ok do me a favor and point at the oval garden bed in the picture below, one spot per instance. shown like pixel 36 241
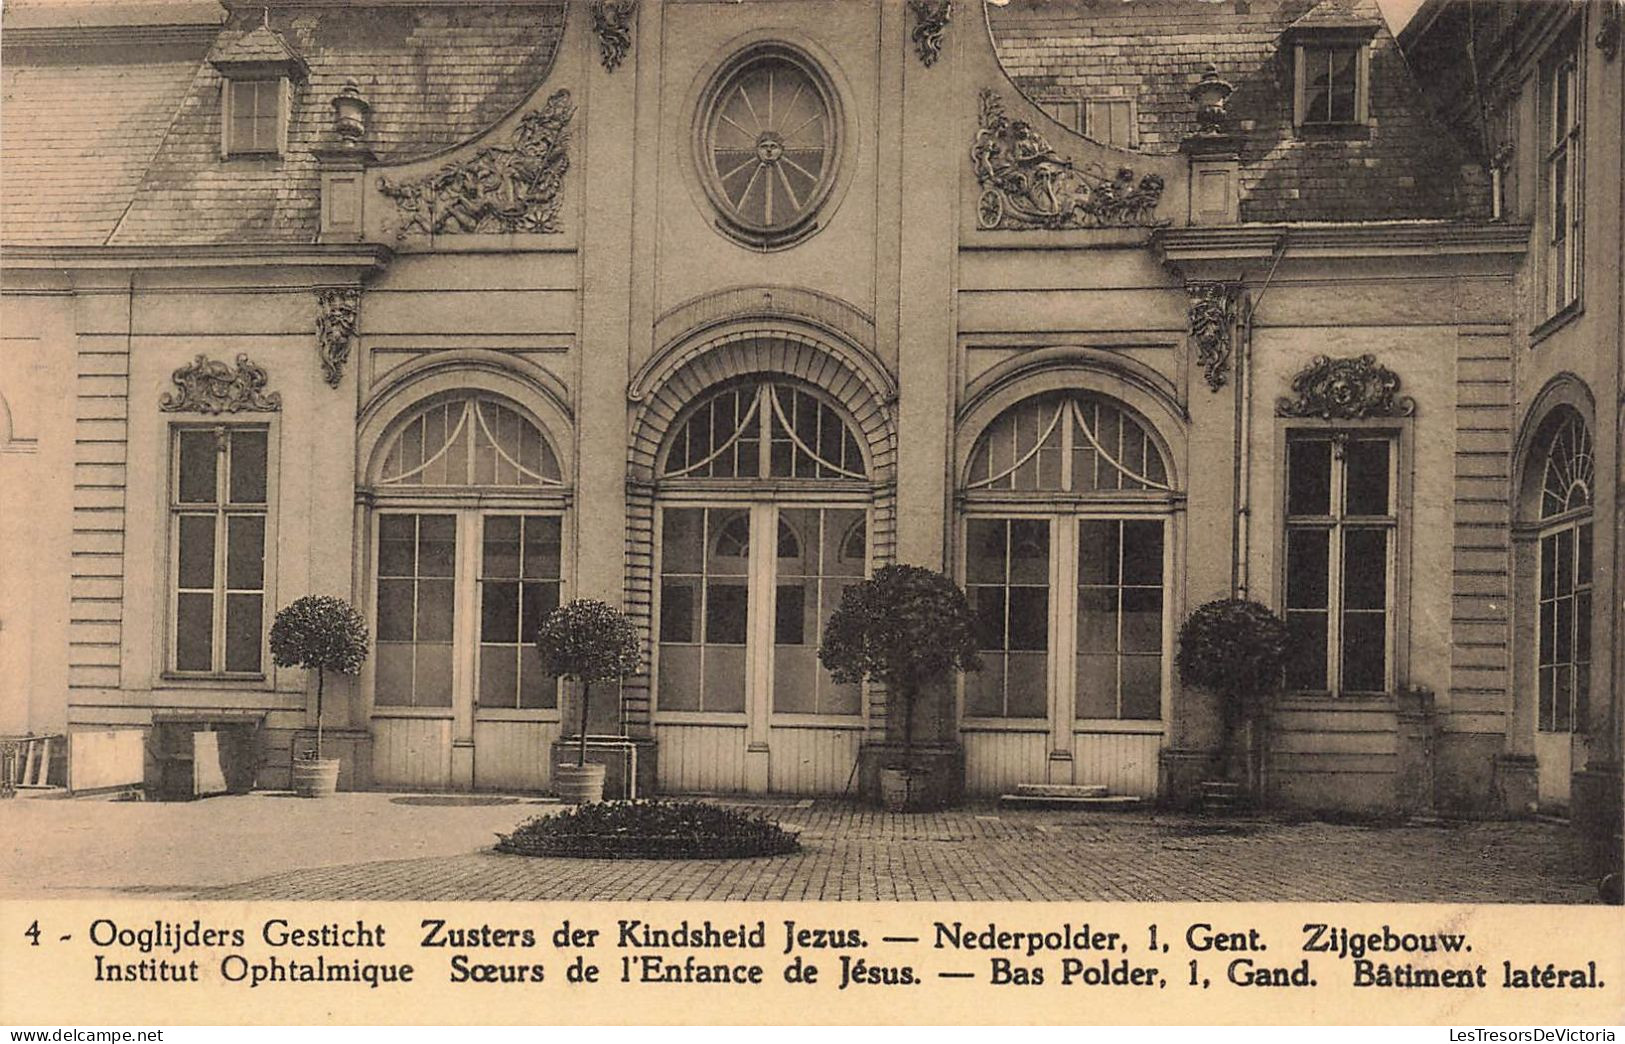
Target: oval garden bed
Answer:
pixel 649 830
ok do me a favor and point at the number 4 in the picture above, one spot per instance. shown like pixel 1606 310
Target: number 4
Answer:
pixel 33 933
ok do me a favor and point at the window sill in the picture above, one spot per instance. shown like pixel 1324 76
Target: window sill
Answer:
pixel 1004 725
pixel 1320 701
pixel 1559 319
pixel 520 714
pixel 1334 132
pixel 411 712
pixel 851 722
pixel 731 720
pixel 255 681
pixel 1119 726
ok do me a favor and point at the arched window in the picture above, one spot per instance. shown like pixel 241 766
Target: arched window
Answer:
pixel 1564 596
pixel 470 512
pixel 1065 545
pixel 764 522
pixel 1067 442
pixel 469 441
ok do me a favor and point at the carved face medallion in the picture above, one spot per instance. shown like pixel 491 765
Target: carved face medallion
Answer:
pixel 769 147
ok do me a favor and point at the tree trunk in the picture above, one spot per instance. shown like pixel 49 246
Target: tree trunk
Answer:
pixel 321 680
pixel 581 748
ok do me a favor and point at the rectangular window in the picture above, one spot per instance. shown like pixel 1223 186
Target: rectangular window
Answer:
pixel 1560 105
pixel 1120 619
pixel 1331 84
pixel 1341 531
pixel 1565 628
pixel 704 609
pixel 417 568
pixel 218 506
pixel 1007 566
pixel 521 565
pixel 1110 121
pixel 821 553
pixel 254 117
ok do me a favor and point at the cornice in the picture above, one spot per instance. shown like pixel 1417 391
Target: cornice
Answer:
pixel 364 256
pixel 1373 239
pixel 110 36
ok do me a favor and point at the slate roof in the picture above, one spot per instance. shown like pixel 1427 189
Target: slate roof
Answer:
pixel 261 45
pixel 80 128
pixel 435 75
pixel 1406 167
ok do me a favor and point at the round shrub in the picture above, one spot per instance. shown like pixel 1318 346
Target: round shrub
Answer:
pixel 649 830
pixel 1235 647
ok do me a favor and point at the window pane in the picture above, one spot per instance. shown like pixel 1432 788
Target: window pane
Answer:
pixel 499 676
pixel 544 544
pixel 537 601
pixel 1142 553
pixel 984 689
pixel 677 616
pixel 1365 569
pixel 437 545
pixel 1026 695
pixel 1547 684
pixel 1306 650
pixel 679 677
pixel 397 541
pixel 537 689
pixel 1029 552
pixel 1308 557
pixel 243 632
pixel 1366 471
pixel 1142 620
pixel 987 603
pixel 248 463
pixel 395 610
pixel 985 550
pixel 730 543
pixel 392 680
pixel 194 632
pixel 195 555
pixel 1564 630
pixel 432 683
pixel 245 552
pixel 795 679
pixel 790 612
pixel 1097 685
pixel 1582 627
pixel 726 608
pixel 1365 652
pixel 724 679
pixel 499 611
pixel 682 540
pixel 1582 556
pixel 1563 568
pixel 1142 687
pixel 434 616
pixel 199 456
pixel 500 556
pixel 1029 618
pixel 1097 620
pixel 1309 477
pixel 1097 552
pixel 1562 708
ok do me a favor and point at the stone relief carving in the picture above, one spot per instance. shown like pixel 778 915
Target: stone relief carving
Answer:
pixel 209 386
pixel 1027 184
pixel 931 18
pixel 1350 388
pixel 501 188
pixel 612 21
pixel 1214 310
pixel 337 309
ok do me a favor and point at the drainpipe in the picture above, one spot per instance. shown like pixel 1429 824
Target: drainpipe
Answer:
pixel 1241 571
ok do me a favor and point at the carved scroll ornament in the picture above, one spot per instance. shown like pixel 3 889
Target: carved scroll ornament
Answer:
pixel 931 18
pixel 209 386
pixel 1026 184
pixel 337 311
pixel 1345 389
pixel 1213 312
pixel 612 21
pixel 516 187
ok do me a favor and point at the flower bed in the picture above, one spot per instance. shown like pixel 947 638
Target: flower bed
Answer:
pixel 649 830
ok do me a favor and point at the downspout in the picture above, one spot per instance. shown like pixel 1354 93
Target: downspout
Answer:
pixel 1240 570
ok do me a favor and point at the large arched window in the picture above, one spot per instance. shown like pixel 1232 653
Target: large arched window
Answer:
pixel 469 557
pixel 1065 552
pixel 1564 661
pixel 763 524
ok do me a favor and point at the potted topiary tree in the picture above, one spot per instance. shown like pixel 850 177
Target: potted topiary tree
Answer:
pixel 586 641
pixel 320 633
pixel 1237 649
pixel 905 627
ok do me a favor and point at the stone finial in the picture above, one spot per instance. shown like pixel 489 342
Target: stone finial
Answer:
pixel 350 111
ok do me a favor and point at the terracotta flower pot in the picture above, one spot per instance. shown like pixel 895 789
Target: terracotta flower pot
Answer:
pixel 315 777
pixel 579 784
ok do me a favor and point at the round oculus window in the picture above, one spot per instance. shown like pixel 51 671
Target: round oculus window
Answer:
pixel 769 144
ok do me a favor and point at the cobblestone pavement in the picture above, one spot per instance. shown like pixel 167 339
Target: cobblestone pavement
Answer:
pixel 991 854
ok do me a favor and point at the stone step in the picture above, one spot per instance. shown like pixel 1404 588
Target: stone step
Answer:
pixel 1105 803
pixel 1060 790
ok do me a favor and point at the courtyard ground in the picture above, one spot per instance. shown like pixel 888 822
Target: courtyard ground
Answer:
pixel 420 847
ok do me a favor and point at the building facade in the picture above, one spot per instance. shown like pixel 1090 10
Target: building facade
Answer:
pixel 1537 93
pixel 457 310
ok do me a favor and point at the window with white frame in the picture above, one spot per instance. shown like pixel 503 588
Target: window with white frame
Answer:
pixel 219 500
pixel 469 538
pixel 764 523
pixel 1565 606
pixel 1561 178
pixel 1108 120
pixel 1067 499
pixel 1342 523
pixel 1330 82
pixel 255 116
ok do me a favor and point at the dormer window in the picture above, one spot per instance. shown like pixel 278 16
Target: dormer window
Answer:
pixel 259 71
pixel 255 119
pixel 1330 49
